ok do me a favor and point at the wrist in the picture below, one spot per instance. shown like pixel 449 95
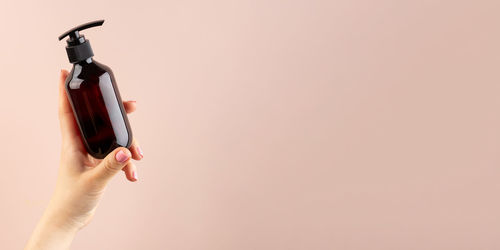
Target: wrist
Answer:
pixel 59 220
pixel 58 225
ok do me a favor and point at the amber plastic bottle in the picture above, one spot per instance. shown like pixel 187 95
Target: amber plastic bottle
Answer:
pixel 94 97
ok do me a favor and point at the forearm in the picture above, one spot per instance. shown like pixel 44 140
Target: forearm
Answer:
pixel 49 235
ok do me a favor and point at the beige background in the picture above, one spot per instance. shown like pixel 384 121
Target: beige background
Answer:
pixel 270 124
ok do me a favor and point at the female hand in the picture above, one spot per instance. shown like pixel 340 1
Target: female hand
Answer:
pixel 81 181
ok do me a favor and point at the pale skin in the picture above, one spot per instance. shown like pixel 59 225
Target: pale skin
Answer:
pixel 81 181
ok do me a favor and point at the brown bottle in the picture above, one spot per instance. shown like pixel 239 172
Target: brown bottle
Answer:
pixel 94 97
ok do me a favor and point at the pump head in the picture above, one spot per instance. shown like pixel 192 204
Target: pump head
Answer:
pixel 78 47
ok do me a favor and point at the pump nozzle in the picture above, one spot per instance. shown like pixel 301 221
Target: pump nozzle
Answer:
pixel 74 32
pixel 78 48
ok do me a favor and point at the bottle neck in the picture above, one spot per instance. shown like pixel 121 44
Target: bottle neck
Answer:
pixel 85 62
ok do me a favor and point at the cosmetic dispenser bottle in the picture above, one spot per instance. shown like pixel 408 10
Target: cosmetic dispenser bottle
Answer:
pixel 94 97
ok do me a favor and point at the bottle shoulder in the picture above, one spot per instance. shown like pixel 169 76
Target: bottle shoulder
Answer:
pixel 89 74
pixel 95 65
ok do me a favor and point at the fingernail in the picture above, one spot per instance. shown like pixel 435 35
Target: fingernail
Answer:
pixel 140 151
pixel 134 175
pixel 121 156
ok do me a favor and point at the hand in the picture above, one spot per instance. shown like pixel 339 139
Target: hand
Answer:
pixel 81 181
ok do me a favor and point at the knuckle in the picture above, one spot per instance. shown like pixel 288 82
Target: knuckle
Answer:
pixel 110 167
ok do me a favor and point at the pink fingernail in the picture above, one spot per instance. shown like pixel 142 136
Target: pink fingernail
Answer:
pixel 121 156
pixel 140 151
pixel 134 174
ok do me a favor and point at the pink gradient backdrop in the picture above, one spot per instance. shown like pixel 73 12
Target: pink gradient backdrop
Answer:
pixel 270 124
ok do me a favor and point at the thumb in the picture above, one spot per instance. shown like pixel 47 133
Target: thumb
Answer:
pixel 112 164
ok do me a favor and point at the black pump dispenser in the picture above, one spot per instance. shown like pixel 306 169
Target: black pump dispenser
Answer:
pixel 78 48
